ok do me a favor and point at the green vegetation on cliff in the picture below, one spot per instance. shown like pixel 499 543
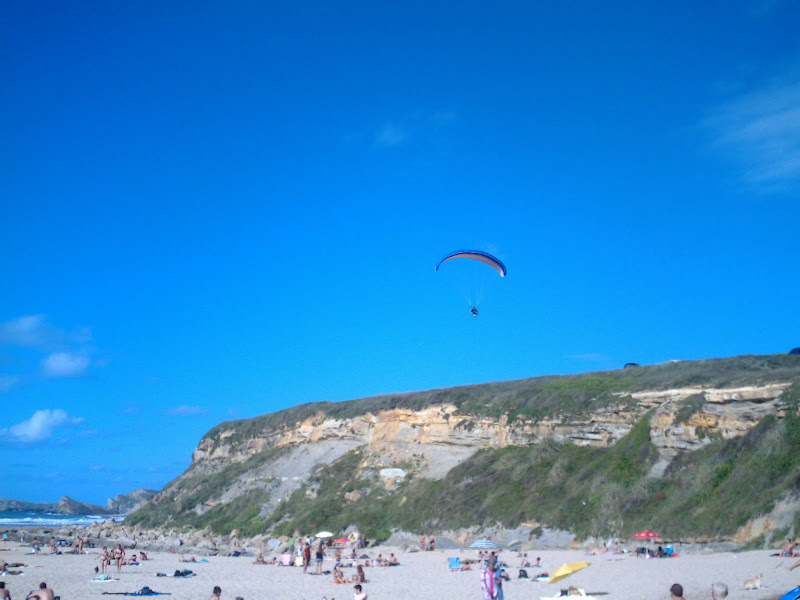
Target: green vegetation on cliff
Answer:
pixel 708 492
pixel 590 491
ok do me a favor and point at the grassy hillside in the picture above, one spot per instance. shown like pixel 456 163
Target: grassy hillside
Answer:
pixel 590 491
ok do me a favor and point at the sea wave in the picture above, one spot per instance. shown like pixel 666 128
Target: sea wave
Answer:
pixel 28 519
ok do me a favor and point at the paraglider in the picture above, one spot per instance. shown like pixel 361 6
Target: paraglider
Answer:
pixel 483 257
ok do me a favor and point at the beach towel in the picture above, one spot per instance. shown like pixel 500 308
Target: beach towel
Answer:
pixel 286 560
pixel 455 563
pixel 183 573
pixel 103 578
pixel 145 591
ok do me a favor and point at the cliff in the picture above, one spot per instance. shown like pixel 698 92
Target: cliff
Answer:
pixel 642 429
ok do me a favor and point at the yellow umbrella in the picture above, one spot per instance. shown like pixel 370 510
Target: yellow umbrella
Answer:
pixel 565 571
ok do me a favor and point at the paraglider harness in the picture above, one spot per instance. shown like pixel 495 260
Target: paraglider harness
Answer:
pixel 473 310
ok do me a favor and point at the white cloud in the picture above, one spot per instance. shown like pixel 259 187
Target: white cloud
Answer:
pixel 390 135
pixel 30 331
pixel 65 364
pixel 7 382
pixel 40 426
pixel 185 410
pixel 761 131
pixel 423 126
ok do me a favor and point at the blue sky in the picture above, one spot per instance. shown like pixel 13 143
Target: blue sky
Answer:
pixel 212 211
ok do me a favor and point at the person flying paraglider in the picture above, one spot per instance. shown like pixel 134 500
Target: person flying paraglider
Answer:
pixel 479 256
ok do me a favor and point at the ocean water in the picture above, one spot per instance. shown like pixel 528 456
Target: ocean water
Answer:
pixel 30 519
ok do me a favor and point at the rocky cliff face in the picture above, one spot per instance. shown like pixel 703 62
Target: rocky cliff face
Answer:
pixel 681 419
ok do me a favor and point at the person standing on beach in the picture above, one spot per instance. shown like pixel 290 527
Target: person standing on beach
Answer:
pixel 43 593
pixel 676 591
pixel 431 543
pixel 422 543
pixel 105 559
pixel 4 593
pixel 215 594
pixel 79 545
pixel 488 585
pixel 306 556
pixel 119 555
pixel 319 555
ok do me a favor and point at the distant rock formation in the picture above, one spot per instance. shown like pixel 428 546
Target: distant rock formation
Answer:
pixel 123 504
pixel 120 505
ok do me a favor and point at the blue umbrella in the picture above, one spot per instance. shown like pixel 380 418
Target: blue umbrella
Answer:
pixel 485 544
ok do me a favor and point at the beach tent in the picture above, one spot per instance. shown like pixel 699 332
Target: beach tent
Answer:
pixel 484 544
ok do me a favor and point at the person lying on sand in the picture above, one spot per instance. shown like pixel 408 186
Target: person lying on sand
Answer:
pixel 194 559
pixel 260 560
pixel 143 556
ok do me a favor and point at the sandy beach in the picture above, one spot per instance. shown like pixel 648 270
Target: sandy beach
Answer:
pixel 421 576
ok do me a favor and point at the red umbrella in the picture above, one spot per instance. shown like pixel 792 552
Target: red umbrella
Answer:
pixel 646 535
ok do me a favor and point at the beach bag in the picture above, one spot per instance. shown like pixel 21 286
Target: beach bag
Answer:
pixel 523 574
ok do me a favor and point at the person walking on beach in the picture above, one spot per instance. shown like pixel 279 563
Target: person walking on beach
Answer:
pixel 43 593
pixel 215 594
pixel 488 585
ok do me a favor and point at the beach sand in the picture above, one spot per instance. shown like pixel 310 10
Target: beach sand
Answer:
pixel 421 576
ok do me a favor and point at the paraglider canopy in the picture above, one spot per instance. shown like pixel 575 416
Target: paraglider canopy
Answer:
pixel 483 257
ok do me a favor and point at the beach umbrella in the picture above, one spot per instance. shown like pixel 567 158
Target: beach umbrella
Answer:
pixel 484 544
pixel 566 570
pixel 646 535
pixel 324 534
